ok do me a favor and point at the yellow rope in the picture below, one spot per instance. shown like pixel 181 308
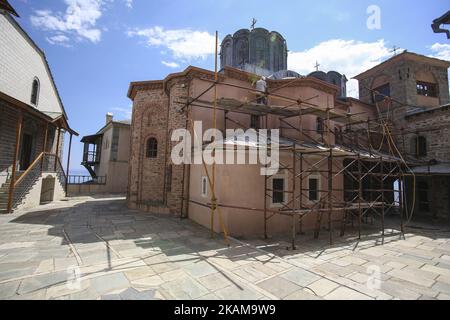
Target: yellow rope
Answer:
pixel 392 143
pixel 213 193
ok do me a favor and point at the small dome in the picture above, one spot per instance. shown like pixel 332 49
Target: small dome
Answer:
pixel 334 78
pixel 318 75
pixel 284 74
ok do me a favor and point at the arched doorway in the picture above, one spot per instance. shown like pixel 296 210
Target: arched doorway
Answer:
pixel 48 189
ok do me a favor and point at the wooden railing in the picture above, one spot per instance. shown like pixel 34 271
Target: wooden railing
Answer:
pixel 91 156
pixel 30 169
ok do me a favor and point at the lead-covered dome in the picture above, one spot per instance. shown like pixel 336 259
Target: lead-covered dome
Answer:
pixel 258 49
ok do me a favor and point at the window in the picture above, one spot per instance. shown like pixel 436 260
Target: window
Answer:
pixel 313 188
pixel 152 148
pixel 426 89
pixel 419 146
pixel 381 93
pixel 319 125
pixel 422 146
pixel 35 92
pixel 254 122
pixel 204 187
pixel 277 190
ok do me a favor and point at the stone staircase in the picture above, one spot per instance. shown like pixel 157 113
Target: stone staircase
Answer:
pixel 4 192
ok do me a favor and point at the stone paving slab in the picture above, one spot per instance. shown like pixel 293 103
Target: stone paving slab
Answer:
pixel 279 287
pixel 343 293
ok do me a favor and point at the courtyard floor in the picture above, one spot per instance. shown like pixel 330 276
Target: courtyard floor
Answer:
pixel 96 248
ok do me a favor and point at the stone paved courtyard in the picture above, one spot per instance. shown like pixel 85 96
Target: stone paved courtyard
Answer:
pixel 125 254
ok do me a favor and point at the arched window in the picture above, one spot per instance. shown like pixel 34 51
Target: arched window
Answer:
pixel 35 92
pixel 152 148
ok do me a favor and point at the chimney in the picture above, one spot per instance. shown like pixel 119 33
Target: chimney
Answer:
pixel 109 117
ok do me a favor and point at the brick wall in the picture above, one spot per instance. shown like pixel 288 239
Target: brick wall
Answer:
pixel 146 180
pixel 156 181
pixel 435 127
pixel 402 78
pixel 177 120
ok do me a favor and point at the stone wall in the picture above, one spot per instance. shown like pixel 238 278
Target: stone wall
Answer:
pixel 432 197
pixel 156 182
pixel 402 78
pixel 177 120
pixel 435 127
pixel 146 175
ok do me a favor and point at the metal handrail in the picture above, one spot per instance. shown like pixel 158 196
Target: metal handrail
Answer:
pixel 61 172
pixel 81 179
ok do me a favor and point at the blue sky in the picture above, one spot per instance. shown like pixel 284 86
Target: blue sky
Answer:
pixel 96 47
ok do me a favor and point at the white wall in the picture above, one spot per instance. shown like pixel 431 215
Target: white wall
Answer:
pixel 20 63
pixel 33 198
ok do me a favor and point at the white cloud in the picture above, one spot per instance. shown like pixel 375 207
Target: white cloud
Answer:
pixel 129 3
pixel 79 20
pixel 349 57
pixel 60 39
pixel 170 64
pixel 441 51
pixel 124 112
pixel 184 44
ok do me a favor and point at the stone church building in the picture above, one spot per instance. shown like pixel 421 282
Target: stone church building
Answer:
pixel 418 84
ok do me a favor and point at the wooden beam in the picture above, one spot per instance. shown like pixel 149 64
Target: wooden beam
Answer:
pixel 68 162
pixel 57 148
pixel 16 155
pixel 44 145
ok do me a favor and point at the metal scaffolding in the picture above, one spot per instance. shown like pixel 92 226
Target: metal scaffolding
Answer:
pixel 366 161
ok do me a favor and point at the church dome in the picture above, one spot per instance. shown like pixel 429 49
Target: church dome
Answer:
pixel 256 50
pixel 334 78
